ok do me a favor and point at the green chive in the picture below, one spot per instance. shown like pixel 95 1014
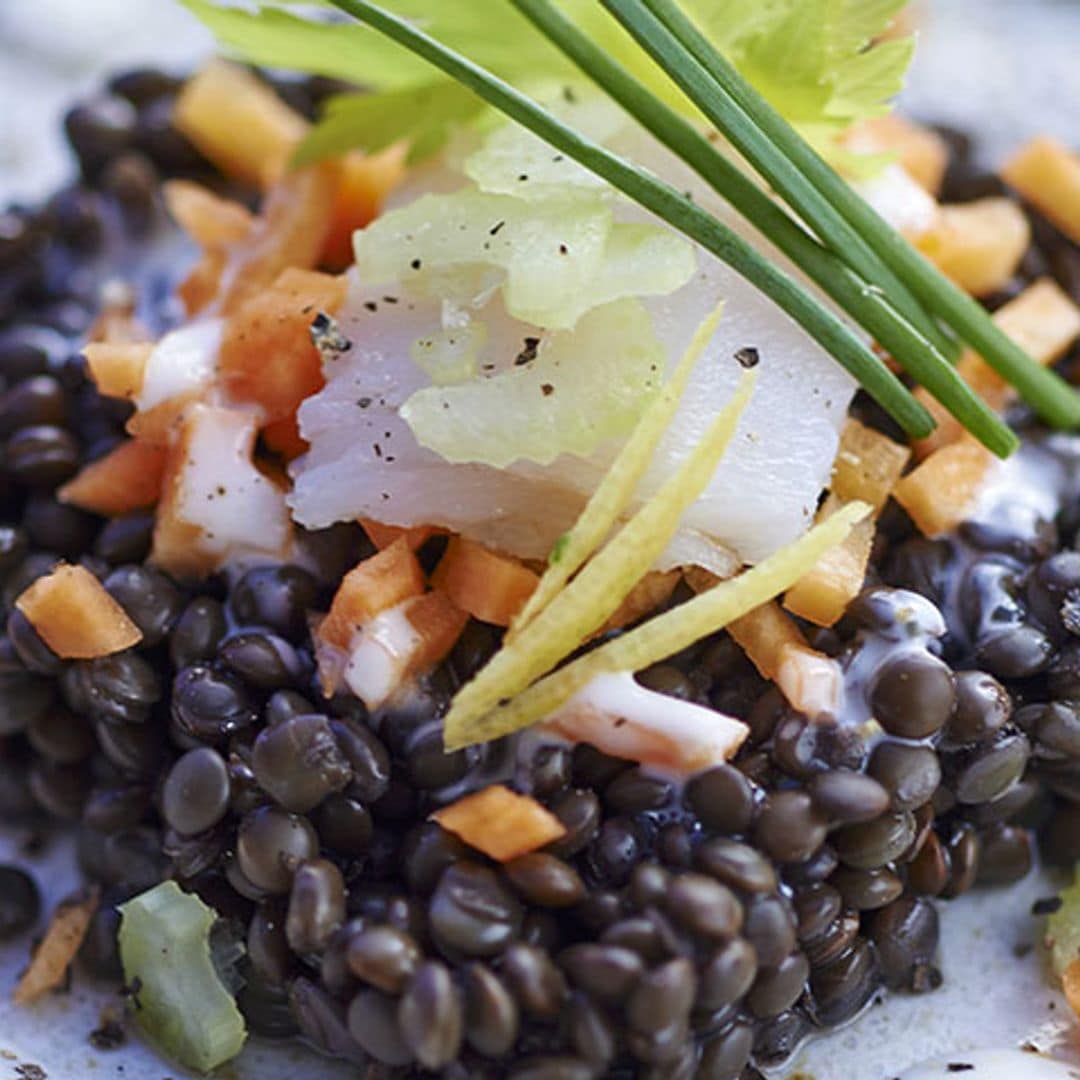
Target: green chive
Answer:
pixel 832 229
pixel 867 305
pixel 1046 392
pixel 668 204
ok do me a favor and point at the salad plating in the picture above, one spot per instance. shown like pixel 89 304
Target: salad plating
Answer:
pixel 293 554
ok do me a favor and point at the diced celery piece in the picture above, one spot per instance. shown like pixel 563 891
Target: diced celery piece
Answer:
pixel 554 259
pixel 584 387
pixel 182 1004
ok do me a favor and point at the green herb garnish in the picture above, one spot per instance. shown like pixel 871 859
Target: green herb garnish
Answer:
pixel 828 71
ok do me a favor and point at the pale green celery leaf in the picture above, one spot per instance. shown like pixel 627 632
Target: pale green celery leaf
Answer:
pixel 640 260
pixel 585 387
pixel 1063 928
pixel 453 354
pixel 511 151
pixel 857 22
pixel 876 75
pixel 425 114
pixel 274 37
pixel 443 246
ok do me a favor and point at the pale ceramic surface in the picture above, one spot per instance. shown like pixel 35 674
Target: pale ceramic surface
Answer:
pixel 1002 67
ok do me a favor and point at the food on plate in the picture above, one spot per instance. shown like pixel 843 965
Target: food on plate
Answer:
pixel 574 565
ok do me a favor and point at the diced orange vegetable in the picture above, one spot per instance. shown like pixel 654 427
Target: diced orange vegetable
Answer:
pixel 283 438
pixel 922 152
pixel 380 582
pixel 290 232
pixel 127 478
pixel 501 823
pixel 822 596
pixel 118 368
pixel 1070 985
pixel 978 244
pixel 868 464
pixel 74 615
pixel 941 492
pixel 1043 320
pixel 56 951
pixel 116 323
pixel 1047 174
pixel 654 589
pixel 488 585
pixel 158 425
pixel 382 536
pixel 198 290
pixel 762 634
pixel 267 355
pixel 438 622
pixel 210 220
pixel 365 183
pixel 177 543
pixel 810 681
pixel 238 122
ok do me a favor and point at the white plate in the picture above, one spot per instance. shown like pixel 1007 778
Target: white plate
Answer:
pixel 1003 68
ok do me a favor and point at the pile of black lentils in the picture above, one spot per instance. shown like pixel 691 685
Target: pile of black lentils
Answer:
pixel 695 932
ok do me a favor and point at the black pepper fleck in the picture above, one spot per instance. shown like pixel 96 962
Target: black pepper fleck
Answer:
pixel 547 389
pixel 748 357
pixel 528 353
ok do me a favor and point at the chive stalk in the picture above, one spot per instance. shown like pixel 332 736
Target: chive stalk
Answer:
pixel 834 231
pixel 1045 391
pixel 668 204
pixel 869 306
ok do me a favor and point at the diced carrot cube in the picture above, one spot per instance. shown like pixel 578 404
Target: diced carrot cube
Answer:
pixel 811 682
pixel 868 465
pixel 290 232
pixel 1043 320
pixel 382 536
pixel 238 122
pixel 177 543
pixel 267 355
pixel 74 615
pixel 654 589
pixel 199 288
pixel 822 596
pixel 1070 985
pixel 365 183
pixel 380 582
pixel 501 823
pixel 126 478
pixel 210 220
pixel 922 151
pixel 978 244
pixel 763 633
pixel 488 585
pixel 56 952
pixel 1047 174
pixel 283 438
pixel 941 492
pixel 118 368
pixel 438 623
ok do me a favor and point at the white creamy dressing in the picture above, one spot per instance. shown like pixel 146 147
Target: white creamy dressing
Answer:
pixel 994 1065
